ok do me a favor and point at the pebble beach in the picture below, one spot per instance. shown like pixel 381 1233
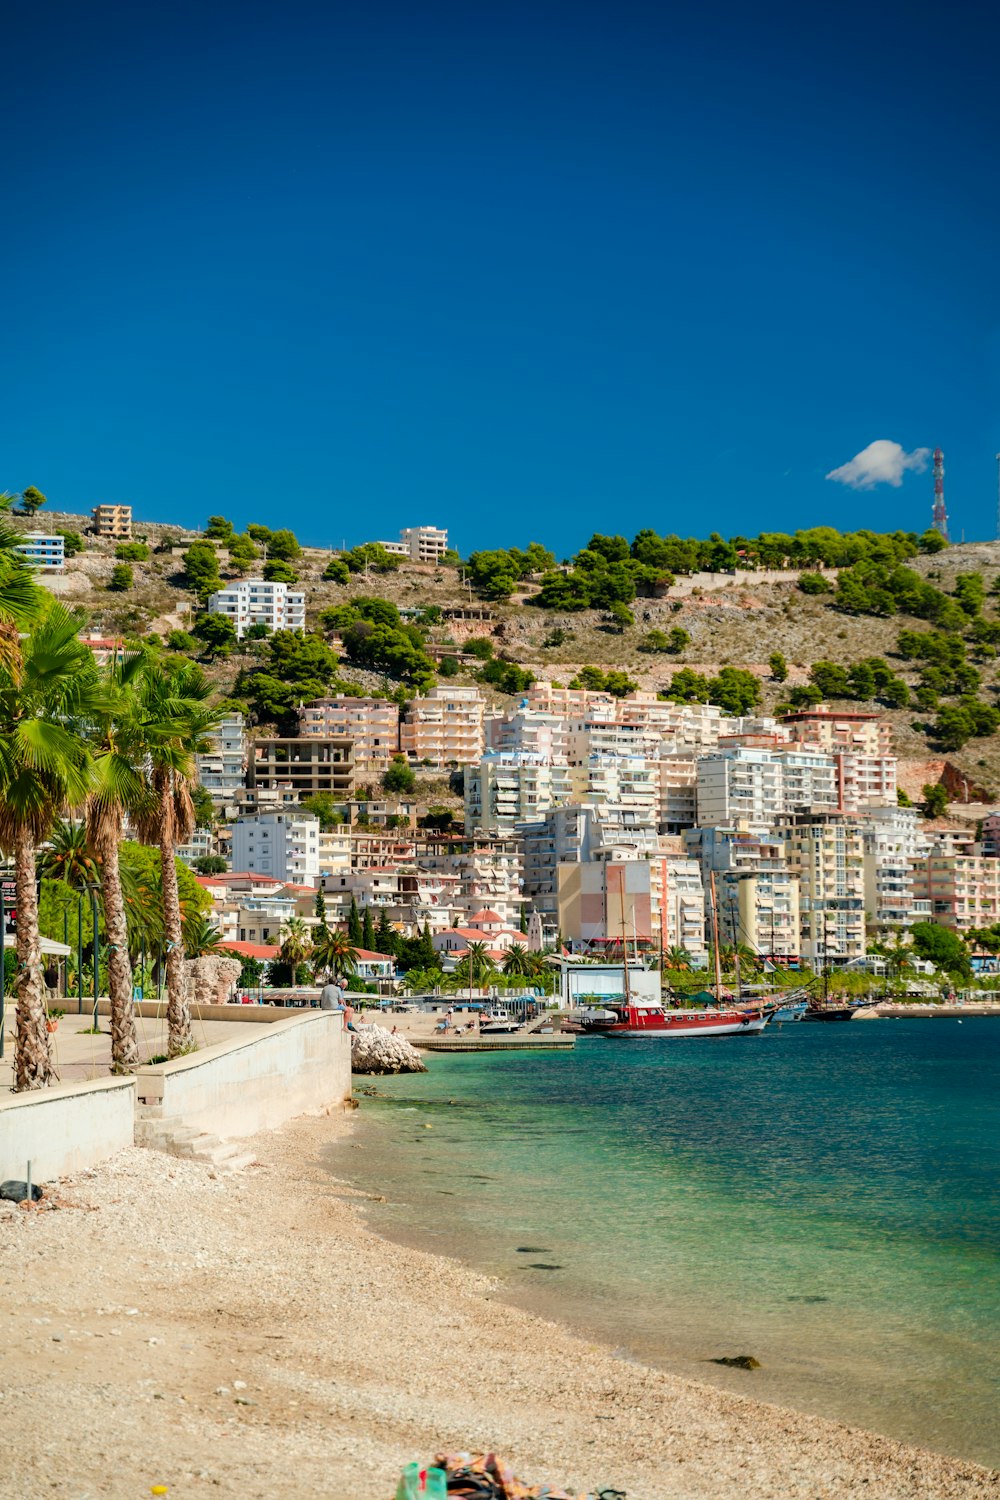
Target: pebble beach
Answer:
pixel 248 1335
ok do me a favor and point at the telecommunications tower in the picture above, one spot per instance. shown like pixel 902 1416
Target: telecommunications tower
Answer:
pixel 998 497
pixel 940 514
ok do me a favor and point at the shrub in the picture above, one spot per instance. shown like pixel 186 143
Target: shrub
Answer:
pixel 132 551
pixel 121 578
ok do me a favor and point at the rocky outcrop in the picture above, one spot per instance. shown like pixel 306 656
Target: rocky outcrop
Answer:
pixel 211 978
pixel 375 1050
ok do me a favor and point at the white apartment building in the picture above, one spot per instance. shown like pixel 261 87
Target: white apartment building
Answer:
pixel 528 731
pixel 283 844
pixel 678 781
pixel 757 896
pixel 371 723
pixel 759 786
pixel 222 768
pixel 445 727
pixel 504 790
pixel 42 549
pixel 559 836
pixel 826 853
pixel 489 873
pixel 252 601
pixel 627 783
pixel 618 899
pixel 894 844
pixel 422 544
pixel 335 848
pixel 963 889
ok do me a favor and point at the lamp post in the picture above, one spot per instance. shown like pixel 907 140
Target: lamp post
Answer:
pixel 79 953
pixel 96 948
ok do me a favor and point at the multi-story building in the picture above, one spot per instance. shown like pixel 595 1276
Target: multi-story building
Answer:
pixel 253 601
pixel 678 778
pixel 757 896
pixel 42 549
pixel 113 521
pixel 444 727
pixel 657 903
pixel 334 848
pixel 421 544
pixel 991 835
pixel 826 853
pixel 760 786
pixel 222 769
pixel 850 730
pixel 284 845
pixel 963 889
pixel 528 731
pixel 559 836
pixel 627 783
pixel 864 780
pixel 487 872
pixel 302 767
pixel 371 723
pixel 504 790
pixel 894 844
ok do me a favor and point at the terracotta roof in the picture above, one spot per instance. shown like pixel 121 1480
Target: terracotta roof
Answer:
pixel 367 953
pixel 486 915
pixel 251 950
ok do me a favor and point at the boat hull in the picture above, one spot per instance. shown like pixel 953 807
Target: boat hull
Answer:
pixel 667 1027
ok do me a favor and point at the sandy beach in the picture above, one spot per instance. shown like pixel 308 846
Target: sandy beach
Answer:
pixel 249 1336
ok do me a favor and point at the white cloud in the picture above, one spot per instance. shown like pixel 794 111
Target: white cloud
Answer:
pixel 882 462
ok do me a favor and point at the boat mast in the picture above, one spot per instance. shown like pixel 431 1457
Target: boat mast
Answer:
pixel 715 938
pixel 621 897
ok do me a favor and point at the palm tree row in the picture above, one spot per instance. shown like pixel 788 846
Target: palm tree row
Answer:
pixel 106 745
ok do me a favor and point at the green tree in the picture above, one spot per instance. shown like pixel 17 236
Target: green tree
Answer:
pixel 220 529
pixel 319 912
pixel 49 694
pixel 400 776
pixel 209 864
pixel 178 721
pixel 322 806
pixel 283 545
pixel 66 856
pixel 354 929
pixel 204 939
pixel 32 501
pixel 935 803
pixel 276 570
pixel 242 554
pixel 120 789
pixel 941 947
pixel 336 571
pixel 183 641
pixel 368 931
pixel 132 552
pixel 205 815
pixel 778 666
pixel 201 569
pixel 217 634
pixel 335 953
pixel 517 960
pixel 72 541
pixel 620 617
pixel 121 578
pixel 813 583
pixel 296 947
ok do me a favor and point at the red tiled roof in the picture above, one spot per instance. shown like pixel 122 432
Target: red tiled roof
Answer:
pixel 367 953
pixel 251 950
pixel 486 915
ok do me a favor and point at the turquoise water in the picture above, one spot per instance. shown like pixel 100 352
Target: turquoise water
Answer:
pixel 826 1198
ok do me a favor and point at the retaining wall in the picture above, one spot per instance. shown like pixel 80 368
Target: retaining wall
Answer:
pixel 236 1088
pixel 67 1128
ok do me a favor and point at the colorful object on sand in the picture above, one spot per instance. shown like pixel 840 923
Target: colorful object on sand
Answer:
pixel 418 1483
pixel 484 1476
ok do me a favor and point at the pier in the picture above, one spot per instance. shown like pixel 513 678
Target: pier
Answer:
pixel 532 1042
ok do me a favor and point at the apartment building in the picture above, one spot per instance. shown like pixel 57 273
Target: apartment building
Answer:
pixel 43 550
pixel 627 783
pixel 558 836
pixel 222 769
pixel 334 849
pixel 371 723
pixel 963 889
pixel 852 731
pixel 678 788
pixel 421 544
pixel 113 521
pixel 759 786
pixel 826 852
pixel 528 731
pixel 284 845
pixel 656 902
pixel 864 780
pixel 253 601
pixel 894 844
pixel 506 789
pixel 991 835
pixel 487 872
pixel 757 896
pixel 444 727
pixel 301 767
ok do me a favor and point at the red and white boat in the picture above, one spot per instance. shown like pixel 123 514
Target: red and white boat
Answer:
pixel 641 1022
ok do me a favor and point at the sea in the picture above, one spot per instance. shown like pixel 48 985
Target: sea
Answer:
pixel 825 1198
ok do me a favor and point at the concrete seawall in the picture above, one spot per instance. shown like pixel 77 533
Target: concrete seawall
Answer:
pixel 67 1128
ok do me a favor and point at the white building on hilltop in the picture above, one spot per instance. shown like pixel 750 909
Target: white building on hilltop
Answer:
pixel 252 601
pixel 421 544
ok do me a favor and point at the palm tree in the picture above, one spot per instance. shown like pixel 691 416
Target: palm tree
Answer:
pixel 478 961
pixel 334 954
pixel 177 720
pixel 204 939
pixel 295 945
pixel 21 601
pixel 49 695
pixel 120 788
pixel 66 856
pixel 516 961
pixel 677 958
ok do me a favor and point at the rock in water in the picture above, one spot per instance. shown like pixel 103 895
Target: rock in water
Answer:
pixel 738 1362
pixel 375 1050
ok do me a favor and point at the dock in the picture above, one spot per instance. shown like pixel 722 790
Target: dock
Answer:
pixel 533 1042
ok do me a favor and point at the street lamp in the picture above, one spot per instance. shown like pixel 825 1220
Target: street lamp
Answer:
pixel 3 964
pixel 93 887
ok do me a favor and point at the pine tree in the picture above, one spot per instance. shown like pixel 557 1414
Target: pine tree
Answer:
pixel 354 925
pixel 368 931
pixel 427 956
pixel 319 912
pixel 387 940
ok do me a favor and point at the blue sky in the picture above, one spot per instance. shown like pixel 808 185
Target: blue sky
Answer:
pixel 526 271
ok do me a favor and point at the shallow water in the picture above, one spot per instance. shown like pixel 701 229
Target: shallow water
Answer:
pixel 825 1198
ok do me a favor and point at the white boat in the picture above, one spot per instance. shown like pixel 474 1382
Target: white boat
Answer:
pixel 498 1022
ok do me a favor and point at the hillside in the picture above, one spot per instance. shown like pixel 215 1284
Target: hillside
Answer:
pixel 732 620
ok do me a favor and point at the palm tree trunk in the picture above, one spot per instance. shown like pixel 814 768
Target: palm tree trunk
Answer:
pixel 179 1036
pixel 124 1043
pixel 32 1050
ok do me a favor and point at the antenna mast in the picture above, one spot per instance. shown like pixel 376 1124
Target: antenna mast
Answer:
pixel 998 497
pixel 940 513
